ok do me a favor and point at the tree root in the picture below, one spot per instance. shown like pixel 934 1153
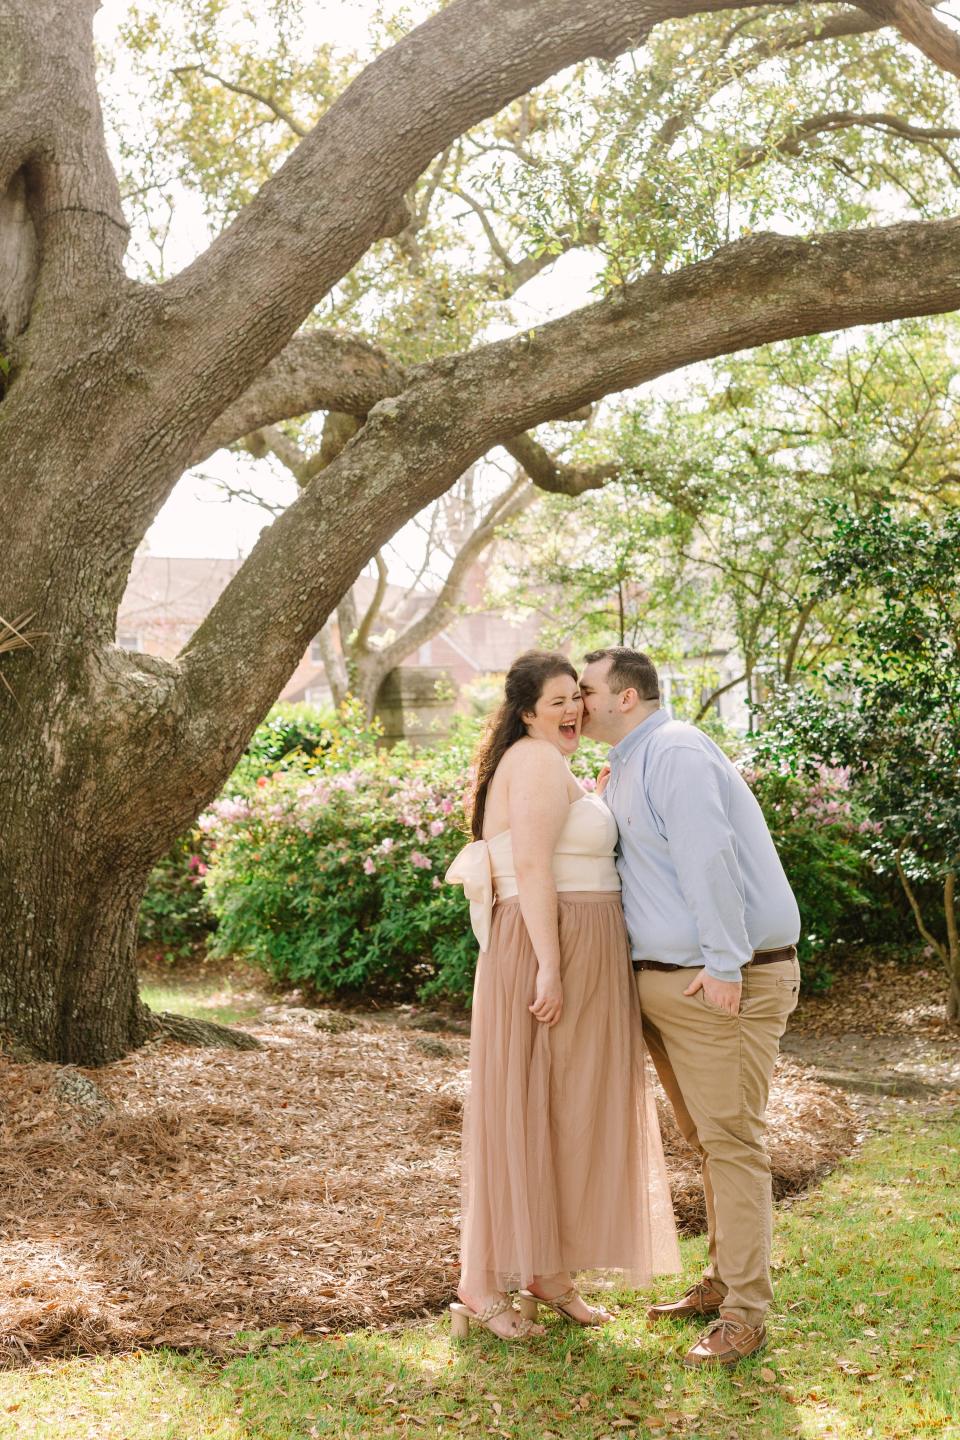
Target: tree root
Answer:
pixel 13 1048
pixel 203 1032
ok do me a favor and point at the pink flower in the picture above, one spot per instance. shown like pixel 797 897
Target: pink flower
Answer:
pixel 436 882
pixel 589 784
pixel 437 827
pixel 446 805
pixel 201 869
pixel 228 810
pixel 368 867
pixel 262 780
pixel 194 862
pixel 420 861
pixel 207 822
pixel 387 845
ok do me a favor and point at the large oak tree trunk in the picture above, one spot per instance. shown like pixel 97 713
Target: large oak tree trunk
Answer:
pixel 68 984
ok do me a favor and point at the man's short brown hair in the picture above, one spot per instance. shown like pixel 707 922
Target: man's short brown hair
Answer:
pixel 629 670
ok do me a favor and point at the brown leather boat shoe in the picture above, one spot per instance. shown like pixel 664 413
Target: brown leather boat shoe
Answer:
pixel 725 1342
pixel 697 1303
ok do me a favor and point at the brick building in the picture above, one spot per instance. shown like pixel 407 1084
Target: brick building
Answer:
pixel 167 598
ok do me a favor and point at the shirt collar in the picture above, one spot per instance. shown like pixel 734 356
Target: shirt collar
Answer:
pixel 630 743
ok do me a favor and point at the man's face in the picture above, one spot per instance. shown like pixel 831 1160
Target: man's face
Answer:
pixel 602 710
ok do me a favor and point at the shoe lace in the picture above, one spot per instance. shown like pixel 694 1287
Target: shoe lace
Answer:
pixel 725 1323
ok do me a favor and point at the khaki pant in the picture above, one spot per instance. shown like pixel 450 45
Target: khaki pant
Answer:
pixel 716 1069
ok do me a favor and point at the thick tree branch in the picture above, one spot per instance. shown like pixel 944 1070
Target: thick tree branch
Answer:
pixel 764 288
pixel 917 22
pixel 317 370
pixel 215 326
pixel 554 475
pixel 55 173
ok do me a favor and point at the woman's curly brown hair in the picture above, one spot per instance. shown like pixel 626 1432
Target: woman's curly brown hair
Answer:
pixel 522 689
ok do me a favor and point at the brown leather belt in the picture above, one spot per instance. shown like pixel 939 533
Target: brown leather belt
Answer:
pixel 759 957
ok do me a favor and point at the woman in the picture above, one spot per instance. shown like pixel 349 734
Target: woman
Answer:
pixel 562 1164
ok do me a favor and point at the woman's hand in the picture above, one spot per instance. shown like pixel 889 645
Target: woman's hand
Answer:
pixel 602 779
pixel 548 1001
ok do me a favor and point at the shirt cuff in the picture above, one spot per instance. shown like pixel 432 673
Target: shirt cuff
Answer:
pixel 730 973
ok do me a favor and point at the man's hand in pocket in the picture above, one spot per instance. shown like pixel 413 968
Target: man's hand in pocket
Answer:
pixel 725 994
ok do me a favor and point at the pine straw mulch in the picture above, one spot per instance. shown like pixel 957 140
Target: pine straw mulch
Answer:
pixel 880 997
pixel 311 1185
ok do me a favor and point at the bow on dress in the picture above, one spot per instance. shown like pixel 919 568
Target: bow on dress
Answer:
pixel 471 869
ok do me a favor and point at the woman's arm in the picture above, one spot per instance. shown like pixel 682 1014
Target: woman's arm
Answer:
pixel 538 804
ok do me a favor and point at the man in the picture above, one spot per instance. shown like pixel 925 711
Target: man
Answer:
pixel 713 928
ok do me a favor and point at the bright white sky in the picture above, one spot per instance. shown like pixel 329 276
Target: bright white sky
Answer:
pixel 196 520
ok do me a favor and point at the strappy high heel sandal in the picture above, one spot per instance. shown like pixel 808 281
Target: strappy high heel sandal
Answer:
pixel 461 1315
pixel 528 1305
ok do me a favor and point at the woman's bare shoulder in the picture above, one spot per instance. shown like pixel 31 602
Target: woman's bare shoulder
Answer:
pixel 529 758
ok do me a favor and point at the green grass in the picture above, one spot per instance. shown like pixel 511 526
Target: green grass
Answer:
pixel 203 998
pixel 864 1343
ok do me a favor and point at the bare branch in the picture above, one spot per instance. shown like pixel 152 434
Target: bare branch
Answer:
pixel 486 223
pixel 790 659
pixel 362 642
pixel 508 504
pixel 333 663
pixel 791 143
pixel 908 890
pixel 272 441
pixel 238 89
pixel 714 696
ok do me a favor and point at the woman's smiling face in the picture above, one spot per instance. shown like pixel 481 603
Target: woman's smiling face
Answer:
pixel 558 714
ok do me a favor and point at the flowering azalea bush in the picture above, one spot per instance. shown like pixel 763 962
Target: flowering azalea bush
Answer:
pixel 330 870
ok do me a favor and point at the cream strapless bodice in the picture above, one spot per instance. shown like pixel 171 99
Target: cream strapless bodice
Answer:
pixel 583 860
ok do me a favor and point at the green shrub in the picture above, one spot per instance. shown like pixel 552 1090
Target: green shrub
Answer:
pixel 174 916
pixel 821 838
pixel 290 730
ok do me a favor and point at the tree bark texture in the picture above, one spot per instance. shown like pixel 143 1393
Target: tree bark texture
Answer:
pixel 113 387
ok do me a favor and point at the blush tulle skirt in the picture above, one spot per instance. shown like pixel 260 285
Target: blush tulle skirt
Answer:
pixel 562 1162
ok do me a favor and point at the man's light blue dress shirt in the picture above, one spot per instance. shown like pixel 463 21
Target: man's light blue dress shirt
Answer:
pixel 702 881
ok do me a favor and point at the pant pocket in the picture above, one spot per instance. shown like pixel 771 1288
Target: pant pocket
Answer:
pixel 771 994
